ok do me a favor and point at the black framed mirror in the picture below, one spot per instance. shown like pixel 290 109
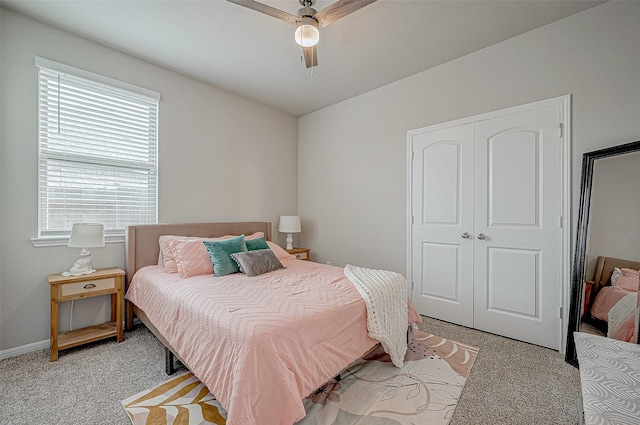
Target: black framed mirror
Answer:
pixel 608 241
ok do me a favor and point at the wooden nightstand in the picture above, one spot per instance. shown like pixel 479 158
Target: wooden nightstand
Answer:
pixel 67 288
pixel 588 285
pixel 300 253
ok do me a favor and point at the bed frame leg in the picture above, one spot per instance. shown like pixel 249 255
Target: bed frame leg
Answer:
pixel 170 364
pixel 128 314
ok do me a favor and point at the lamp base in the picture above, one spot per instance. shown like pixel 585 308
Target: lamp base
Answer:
pixel 289 241
pixel 82 265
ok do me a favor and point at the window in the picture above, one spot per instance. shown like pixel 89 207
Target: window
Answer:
pixel 97 151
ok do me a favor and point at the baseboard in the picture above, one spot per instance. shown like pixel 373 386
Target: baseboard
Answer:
pixel 35 346
pixel 24 349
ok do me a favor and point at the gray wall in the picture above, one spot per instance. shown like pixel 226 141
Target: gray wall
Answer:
pixel 213 166
pixel 352 156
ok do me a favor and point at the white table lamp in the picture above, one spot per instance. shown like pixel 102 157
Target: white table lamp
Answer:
pixel 289 224
pixel 84 235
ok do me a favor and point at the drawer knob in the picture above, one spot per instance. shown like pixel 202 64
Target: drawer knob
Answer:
pixel 298 256
pixel 89 286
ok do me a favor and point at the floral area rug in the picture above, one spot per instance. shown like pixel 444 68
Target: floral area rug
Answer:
pixel 372 391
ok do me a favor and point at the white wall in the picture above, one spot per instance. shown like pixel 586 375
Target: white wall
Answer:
pixel 352 156
pixel 221 158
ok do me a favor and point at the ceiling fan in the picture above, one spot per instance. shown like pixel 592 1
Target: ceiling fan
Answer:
pixel 308 21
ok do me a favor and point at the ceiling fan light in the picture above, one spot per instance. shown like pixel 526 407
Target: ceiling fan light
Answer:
pixel 307 34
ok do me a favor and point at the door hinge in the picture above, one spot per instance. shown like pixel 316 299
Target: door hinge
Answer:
pixel 412 155
pixel 412 285
pixel 561 221
pixel 561 312
pixel 411 219
pixel 561 127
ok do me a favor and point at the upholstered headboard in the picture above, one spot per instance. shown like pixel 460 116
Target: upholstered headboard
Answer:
pixel 141 242
pixel 141 246
pixel 604 269
pixel 605 266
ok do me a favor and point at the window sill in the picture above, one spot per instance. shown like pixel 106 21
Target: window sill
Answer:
pixel 64 240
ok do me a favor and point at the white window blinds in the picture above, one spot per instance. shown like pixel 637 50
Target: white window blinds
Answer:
pixel 98 151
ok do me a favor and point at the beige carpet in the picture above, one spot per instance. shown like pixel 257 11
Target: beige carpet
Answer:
pixel 511 382
pixel 372 392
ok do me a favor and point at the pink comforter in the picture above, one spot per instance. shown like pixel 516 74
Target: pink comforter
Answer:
pixel 607 297
pixel 260 344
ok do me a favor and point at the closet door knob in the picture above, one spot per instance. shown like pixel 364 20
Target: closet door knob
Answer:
pixel 482 236
pixel 465 235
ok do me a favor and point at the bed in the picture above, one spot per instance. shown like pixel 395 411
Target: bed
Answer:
pixel 260 344
pixel 613 300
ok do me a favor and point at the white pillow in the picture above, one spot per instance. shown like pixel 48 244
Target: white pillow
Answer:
pixel 615 275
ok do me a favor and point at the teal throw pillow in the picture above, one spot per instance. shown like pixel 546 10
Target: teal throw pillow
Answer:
pixel 258 243
pixel 220 253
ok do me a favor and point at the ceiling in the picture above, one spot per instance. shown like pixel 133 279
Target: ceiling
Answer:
pixel 255 55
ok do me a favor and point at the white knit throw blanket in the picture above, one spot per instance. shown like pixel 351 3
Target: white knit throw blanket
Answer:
pixel 385 294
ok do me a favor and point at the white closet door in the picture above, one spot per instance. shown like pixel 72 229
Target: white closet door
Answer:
pixel 517 275
pixel 442 200
pixel 486 243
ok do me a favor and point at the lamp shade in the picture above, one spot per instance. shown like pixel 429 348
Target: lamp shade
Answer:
pixel 290 224
pixel 86 235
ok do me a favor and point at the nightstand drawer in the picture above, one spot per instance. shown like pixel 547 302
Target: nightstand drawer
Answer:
pixel 88 286
pixel 302 255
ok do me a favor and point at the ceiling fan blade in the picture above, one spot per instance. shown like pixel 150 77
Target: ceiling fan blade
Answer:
pixel 267 10
pixel 339 9
pixel 310 56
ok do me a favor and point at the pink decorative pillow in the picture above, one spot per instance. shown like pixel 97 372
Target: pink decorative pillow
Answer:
pixel 280 252
pixel 250 237
pixel 253 236
pixel 191 257
pixel 630 272
pixel 168 259
pixel 166 252
pixel 629 280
